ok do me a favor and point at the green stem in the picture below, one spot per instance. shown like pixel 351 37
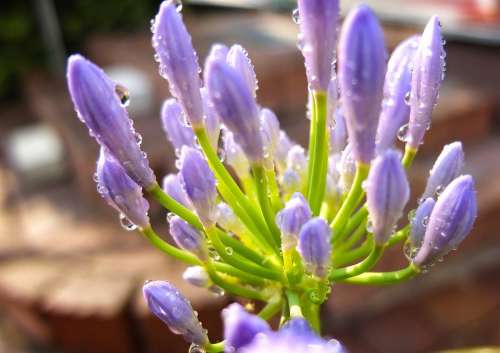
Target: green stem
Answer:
pixel 353 238
pixel 318 152
pixel 271 309
pixel 294 304
pixel 352 255
pixel 384 278
pixel 274 189
pixel 363 266
pixel 350 202
pixel 214 347
pixel 399 236
pixel 262 194
pixel 249 188
pixel 409 156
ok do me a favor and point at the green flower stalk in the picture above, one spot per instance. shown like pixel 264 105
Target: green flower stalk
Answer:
pixel 260 217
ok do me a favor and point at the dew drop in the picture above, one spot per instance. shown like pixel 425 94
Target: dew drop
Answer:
pixel 194 348
pixel 295 16
pixel 123 95
pixel 407 97
pixel 138 138
pixel 178 5
pixel 218 291
pixel 439 190
pixel 95 177
pixel 126 223
pixel 369 226
pixel 425 221
pixel 403 133
pixel 170 216
pixel 229 250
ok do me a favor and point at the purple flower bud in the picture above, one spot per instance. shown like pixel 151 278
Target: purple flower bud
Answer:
pixel 420 221
pixel 332 103
pixel 284 145
pixel 298 327
pixel 227 219
pixel 338 132
pixel 318 21
pixel 270 131
pixel 333 187
pixel 238 59
pixel 428 72
pixel 291 219
pixel 212 121
pixel 178 60
pixel 187 237
pixel 240 327
pixel 290 182
pixel 297 160
pixel 235 156
pixel 362 68
pixel 395 108
pixel 120 191
pixel 314 246
pixel 171 307
pixel 98 106
pixel 172 185
pixel 218 51
pixel 450 222
pixel 387 192
pixel 197 276
pixel 347 169
pixel 174 125
pixel 199 184
pixel 447 167
pixel 236 106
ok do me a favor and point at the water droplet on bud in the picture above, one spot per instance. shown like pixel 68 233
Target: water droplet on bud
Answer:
pixel 126 223
pixel 123 95
pixel 295 16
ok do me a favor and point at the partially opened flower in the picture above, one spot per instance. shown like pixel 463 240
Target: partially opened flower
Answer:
pixel 314 246
pixel 99 107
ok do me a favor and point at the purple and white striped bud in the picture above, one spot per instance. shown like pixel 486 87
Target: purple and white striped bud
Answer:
pixel 318 20
pixel 174 124
pixel 428 73
pixel 362 69
pixel 97 103
pixel 212 121
pixel 227 219
pixel 387 192
pixel 448 166
pixel 450 222
pixel 173 187
pixel 235 156
pixel 170 306
pixel 280 155
pixel 420 221
pixel 120 191
pixel 338 132
pixel 240 327
pixel 396 105
pixel 347 169
pixel 270 126
pixel 197 276
pixel 236 106
pixel 238 58
pixel 291 219
pixel 178 61
pixel 187 237
pixel 199 184
pixel 314 246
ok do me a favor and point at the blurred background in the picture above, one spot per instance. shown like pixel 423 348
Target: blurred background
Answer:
pixel 70 276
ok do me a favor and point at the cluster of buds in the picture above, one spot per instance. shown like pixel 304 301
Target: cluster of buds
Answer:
pixel 262 218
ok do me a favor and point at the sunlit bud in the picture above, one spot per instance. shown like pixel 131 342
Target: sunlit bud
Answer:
pixel 197 276
pixel 362 69
pixel 212 121
pixel 174 125
pixel 171 307
pixel 238 58
pixel 396 105
pixel 347 169
pixel 318 20
pixel 227 219
pixel 173 187
pixel 280 155
pixel 447 167
pixel 217 51
pixel 121 192
pixel 338 132
pixel 450 222
pixel 97 102
pixel 332 103
pixel 178 61
pixel 270 132
pixel 428 73
pixel 387 192
pixel 314 246
pixel 297 160
pixel 199 184
pixel 290 182
pixel 291 219
pixel 235 156
pixel 420 221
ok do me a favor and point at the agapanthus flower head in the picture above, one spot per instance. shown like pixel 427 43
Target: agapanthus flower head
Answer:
pixel 240 327
pixel 270 126
pixel 120 191
pixel 171 307
pixel 187 237
pixel 291 219
pixel 428 73
pixel 99 107
pixel 447 167
pixel 173 187
pixel 419 222
pixel 199 184
pixel 362 69
pixel 236 106
pixel 178 61
pixel 197 276
pixel 318 21
pixel 174 124
pixel 314 246
pixel 396 104
pixel 234 155
pixel 212 121
pixel 450 221
pixel 387 192
pixel 238 58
